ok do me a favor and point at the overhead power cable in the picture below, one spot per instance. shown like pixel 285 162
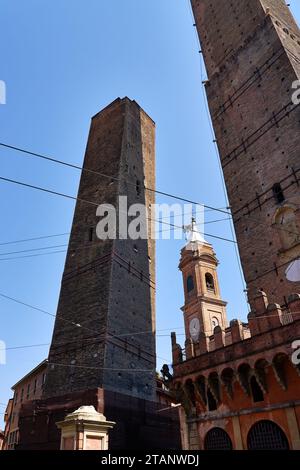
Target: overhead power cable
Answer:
pixel 258 317
pixel 101 368
pixel 32 249
pixel 149 189
pixel 33 256
pixel 73 198
pixel 42 237
pixel 25 304
pixel 88 170
pixel 45 312
pixel 78 325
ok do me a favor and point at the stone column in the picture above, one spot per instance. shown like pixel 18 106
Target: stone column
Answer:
pixel 237 433
pixel 194 441
pixel 184 431
pixel 293 428
pixel 84 429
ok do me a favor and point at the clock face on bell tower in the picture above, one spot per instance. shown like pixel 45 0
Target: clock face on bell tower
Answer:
pixel 194 328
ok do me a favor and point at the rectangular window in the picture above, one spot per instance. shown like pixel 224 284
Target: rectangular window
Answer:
pixel 278 193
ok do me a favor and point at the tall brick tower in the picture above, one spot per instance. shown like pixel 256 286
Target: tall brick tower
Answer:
pixel 103 346
pixel 252 54
pixel 104 335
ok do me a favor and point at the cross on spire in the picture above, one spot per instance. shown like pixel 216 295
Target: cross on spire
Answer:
pixel 194 236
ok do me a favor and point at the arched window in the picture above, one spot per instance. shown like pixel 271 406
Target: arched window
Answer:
pixel 211 402
pixel 190 284
pixel 256 391
pixel 266 435
pixel 209 281
pixel 201 388
pixel 217 439
pixel 190 390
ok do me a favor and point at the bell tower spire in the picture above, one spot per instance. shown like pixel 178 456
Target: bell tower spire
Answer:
pixel 203 307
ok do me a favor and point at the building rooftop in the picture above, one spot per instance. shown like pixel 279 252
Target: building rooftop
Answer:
pixel 33 371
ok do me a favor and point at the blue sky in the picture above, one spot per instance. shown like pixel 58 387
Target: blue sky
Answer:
pixel 62 62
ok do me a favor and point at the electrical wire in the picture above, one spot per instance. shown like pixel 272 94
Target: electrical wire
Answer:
pixel 272 270
pixel 77 167
pixel 45 312
pixel 60 194
pixel 32 256
pixel 20 302
pixel 258 317
pixel 56 193
pixel 32 249
pixel 78 325
pixel 100 368
pixel 34 239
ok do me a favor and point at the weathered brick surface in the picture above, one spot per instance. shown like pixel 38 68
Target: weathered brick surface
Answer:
pixel 140 424
pixel 252 54
pixel 267 356
pixel 100 290
pixel 264 345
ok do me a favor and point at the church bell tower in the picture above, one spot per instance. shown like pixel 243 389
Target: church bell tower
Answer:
pixel 203 307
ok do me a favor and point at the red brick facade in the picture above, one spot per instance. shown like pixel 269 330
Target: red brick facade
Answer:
pixel 26 390
pixel 240 376
pixel 251 50
pixel 108 286
pixel 103 347
pixel 239 386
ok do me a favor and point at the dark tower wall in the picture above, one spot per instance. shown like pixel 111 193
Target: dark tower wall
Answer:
pixel 252 54
pixel 108 287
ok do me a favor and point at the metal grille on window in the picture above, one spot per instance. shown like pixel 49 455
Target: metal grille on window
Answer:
pixel 217 439
pixel 266 435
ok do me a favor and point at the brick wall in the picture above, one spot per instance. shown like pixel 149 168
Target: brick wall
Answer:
pixel 108 286
pixel 252 57
pixel 140 424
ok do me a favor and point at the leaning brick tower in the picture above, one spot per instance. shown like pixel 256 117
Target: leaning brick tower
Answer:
pixel 251 50
pixel 102 352
pixel 104 331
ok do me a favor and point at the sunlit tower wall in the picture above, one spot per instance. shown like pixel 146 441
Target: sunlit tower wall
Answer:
pixel 104 334
pixel 251 50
